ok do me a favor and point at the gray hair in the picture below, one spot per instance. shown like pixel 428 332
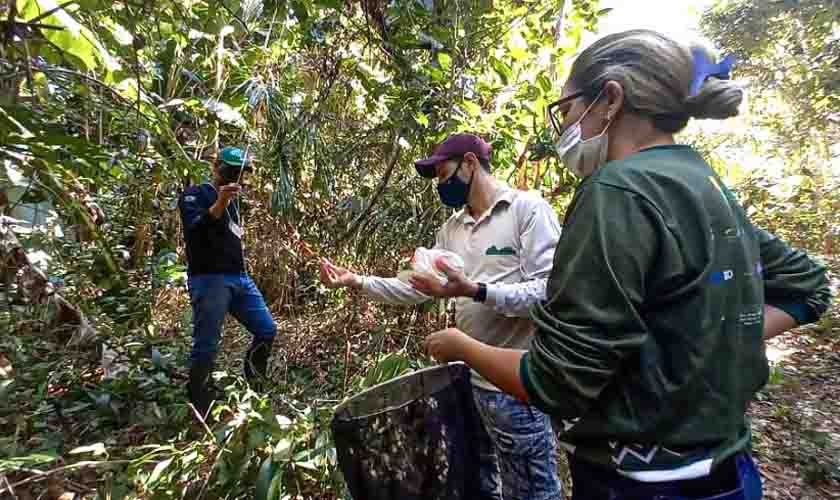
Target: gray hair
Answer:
pixel 655 73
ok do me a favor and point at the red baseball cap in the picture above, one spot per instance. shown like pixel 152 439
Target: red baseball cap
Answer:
pixel 455 145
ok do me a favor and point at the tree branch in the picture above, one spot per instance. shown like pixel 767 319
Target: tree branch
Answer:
pixel 85 77
pixel 236 16
pixel 30 24
pixel 77 465
pixel 354 226
pixel 51 11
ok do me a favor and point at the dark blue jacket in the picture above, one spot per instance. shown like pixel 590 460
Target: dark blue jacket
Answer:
pixel 211 245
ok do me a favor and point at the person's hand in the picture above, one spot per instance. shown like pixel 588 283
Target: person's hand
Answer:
pixel 333 276
pixel 457 285
pixel 448 345
pixel 228 192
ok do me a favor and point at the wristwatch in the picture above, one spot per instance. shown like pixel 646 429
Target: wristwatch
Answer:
pixel 481 294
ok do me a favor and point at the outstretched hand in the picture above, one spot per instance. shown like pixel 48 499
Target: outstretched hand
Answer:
pixel 333 276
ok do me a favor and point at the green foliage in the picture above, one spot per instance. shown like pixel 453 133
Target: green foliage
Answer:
pixel 334 101
pixel 802 210
pixel 110 116
pixel 781 155
pixel 135 429
pixel 790 53
pixel 777 376
pixel 387 367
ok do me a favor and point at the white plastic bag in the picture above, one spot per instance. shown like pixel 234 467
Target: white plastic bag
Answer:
pixel 429 261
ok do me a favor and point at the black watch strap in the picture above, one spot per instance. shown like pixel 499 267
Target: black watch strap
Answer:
pixel 481 294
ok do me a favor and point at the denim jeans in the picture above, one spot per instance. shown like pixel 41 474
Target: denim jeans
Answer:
pixel 517 449
pixel 737 478
pixel 214 295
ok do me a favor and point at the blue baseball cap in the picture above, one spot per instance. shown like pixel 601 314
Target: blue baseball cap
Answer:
pixel 233 156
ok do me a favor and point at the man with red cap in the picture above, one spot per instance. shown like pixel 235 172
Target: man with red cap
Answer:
pixel 506 238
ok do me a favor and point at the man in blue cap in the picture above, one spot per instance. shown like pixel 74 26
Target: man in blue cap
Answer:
pixel 506 238
pixel 216 277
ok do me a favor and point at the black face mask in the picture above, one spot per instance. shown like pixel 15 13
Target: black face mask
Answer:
pixel 454 191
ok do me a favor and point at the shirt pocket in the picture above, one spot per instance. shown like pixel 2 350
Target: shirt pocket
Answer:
pixel 501 262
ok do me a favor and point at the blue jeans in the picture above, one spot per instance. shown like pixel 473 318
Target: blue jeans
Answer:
pixel 214 295
pixel 517 449
pixel 737 478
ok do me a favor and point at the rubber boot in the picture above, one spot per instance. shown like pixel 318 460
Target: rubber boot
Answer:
pixel 199 388
pixel 256 363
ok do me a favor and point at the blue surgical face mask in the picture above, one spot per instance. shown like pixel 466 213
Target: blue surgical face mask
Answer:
pixel 454 191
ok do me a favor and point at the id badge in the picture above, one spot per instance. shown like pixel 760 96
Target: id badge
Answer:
pixel 235 229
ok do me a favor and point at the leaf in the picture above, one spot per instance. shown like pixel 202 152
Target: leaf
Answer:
pixel 74 39
pixel 194 34
pixel 422 119
pixel 503 70
pixel 121 35
pixel 158 470
pixel 251 9
pixel 190 458
pixel 283 449
pixel 307 464
pixel 96 448
pixel 445 61
pixel 436 74
pixel 276 488
pixel 224 112
pixel 388 367
pixel 5 385
pixel 128 88
pixel 264 489
pixel 15 463
pixel 471 108
pixel 16 126
pixel 544 83
pixel 300 11
pixel 172 103
pixel 157 359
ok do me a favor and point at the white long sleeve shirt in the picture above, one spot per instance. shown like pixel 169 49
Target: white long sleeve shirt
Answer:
pixel 510 248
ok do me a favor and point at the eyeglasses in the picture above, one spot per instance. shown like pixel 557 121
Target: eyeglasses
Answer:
pixel 557 122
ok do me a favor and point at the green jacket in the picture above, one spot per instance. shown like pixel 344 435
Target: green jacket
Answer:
pixel 649 347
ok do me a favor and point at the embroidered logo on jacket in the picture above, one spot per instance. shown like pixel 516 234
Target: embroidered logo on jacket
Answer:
pixel 503 251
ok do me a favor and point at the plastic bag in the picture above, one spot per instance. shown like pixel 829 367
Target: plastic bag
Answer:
pixel 428 261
